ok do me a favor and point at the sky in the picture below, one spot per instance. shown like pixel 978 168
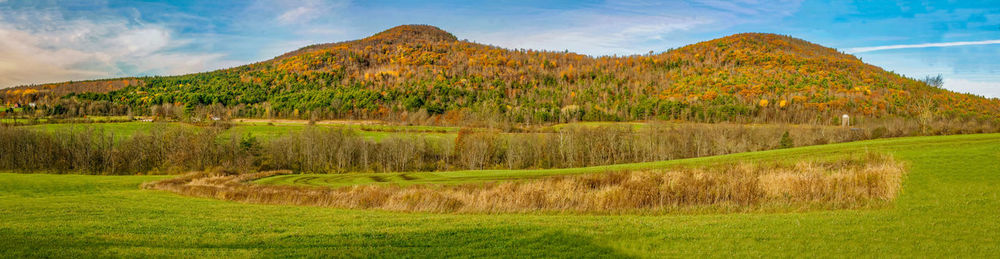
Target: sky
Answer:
pixel 45 41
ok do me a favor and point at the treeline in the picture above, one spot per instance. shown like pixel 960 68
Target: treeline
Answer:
pixel 89 151
pixel 328 150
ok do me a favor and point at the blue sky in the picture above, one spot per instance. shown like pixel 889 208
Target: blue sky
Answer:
pixel 51 40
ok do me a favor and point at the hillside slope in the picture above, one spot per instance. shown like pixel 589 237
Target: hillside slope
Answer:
pixel 420 70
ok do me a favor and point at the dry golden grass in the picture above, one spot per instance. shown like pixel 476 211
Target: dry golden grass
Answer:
pixel 864 181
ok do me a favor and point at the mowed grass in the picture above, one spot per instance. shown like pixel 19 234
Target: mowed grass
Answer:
pixel 45 119
pixel 948 208
pixel 266 132
pixel 118 129
pixel 12 120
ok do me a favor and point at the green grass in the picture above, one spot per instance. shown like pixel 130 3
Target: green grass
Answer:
pixel 261 131
pixel 107 118
pixel 119 129
pixel 20 120
pixel 379 135
pixel 267 132
pixel 412 128
pixel 100 119
pixel 634 125
pixel 948 208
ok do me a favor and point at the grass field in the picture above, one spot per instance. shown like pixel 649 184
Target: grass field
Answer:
pixel 119 129
pixel 275 130
pixel 19 121
pixel 948 208
pixel 88 119
pixel 261 131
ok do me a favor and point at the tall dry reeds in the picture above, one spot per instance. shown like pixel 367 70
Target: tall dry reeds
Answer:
pixel 858 182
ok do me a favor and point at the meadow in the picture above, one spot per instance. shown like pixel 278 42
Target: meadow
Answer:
pixel 260 130
pixel 947 207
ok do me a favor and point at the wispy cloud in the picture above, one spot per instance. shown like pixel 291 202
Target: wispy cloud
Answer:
pixel 40 46
pixel 922 45
pixel 297 13
pixel 305 11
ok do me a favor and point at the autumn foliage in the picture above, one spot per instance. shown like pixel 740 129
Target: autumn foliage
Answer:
pixel 410 69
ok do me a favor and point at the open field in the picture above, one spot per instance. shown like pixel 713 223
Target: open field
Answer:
pixel 20 120
pixel 373 130
pixel 947 207
pixel 260 130
pixel 119 129
pixel 49 120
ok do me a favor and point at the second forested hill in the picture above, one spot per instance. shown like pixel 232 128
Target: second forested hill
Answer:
pixel 420 68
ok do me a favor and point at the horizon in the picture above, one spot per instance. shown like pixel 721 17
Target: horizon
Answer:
pixel 56 41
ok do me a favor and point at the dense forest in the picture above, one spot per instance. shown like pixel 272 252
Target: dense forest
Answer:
pixel 421 72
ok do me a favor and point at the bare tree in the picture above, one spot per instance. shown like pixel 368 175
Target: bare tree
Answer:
pixel 934 81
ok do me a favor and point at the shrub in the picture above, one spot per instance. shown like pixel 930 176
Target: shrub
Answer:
pixel 786 141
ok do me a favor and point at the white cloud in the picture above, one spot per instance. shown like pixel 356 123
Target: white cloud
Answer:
pixel 41 47
pixel 300 12
pixel 297 14
pixel 984 88
pixel 923 45
pixel 754 7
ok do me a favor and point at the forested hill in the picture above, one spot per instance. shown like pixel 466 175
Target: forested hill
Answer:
pixel 420 70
